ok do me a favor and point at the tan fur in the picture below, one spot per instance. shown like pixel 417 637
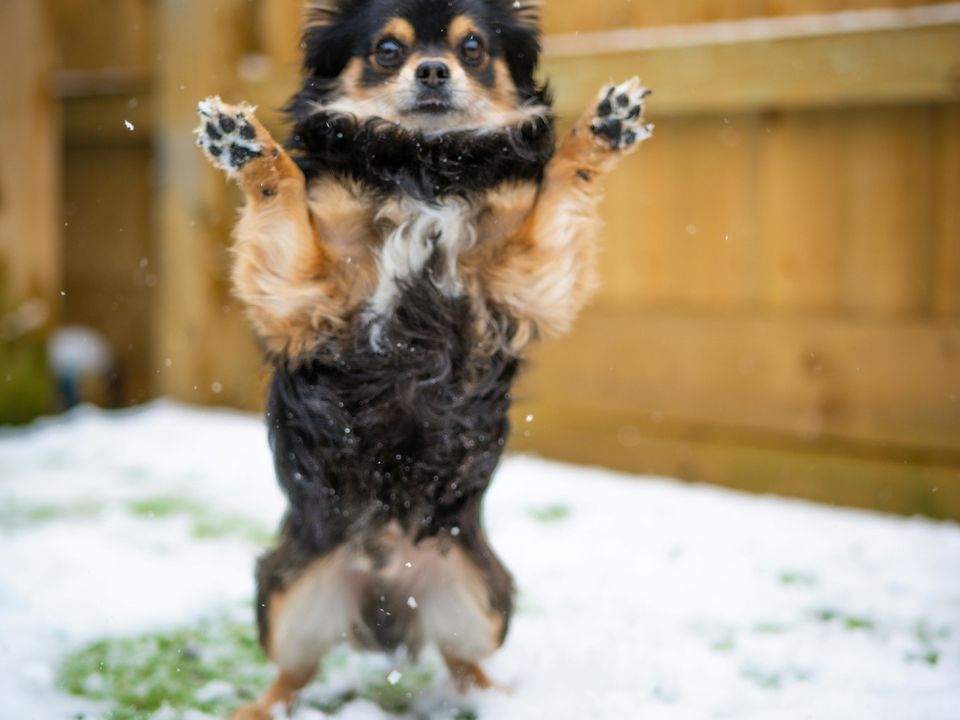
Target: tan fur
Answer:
pixel 467 674
pixel 529 11
pixel 282 691
pixel 320 608
pixel 320 13
pixel 306 261
pixel 545 271
pixel 459 28
pixel 400 29
pixel 293 285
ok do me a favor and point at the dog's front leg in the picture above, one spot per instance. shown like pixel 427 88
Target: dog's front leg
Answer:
pixel 544 273
pixel 283 272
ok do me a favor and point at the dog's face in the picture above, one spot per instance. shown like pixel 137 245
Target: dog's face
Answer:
pixel 431 65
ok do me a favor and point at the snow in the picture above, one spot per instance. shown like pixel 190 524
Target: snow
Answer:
pixel 638 597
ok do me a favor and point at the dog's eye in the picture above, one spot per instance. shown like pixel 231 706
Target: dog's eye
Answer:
pixel 471 49
pixel 389 53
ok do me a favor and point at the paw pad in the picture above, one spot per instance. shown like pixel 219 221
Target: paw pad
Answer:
pixel 618 121
pixel 227 135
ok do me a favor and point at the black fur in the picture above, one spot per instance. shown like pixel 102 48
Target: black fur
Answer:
pixel 412 433
pixel 392 159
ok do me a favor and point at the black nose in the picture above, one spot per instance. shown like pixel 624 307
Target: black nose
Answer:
pixel 433 73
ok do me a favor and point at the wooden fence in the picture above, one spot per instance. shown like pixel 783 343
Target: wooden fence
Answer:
pixel 781 300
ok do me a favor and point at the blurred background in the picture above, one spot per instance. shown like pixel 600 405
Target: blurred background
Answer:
pixel 781 301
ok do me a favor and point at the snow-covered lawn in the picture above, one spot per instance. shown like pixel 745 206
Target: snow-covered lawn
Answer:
pixel 127 543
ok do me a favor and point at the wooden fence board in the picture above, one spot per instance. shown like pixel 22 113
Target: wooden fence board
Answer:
pixel 569 16
pixel 895 383
pixel 908 65
pixel 743 461
pixel 946 270
pixel 889 210
pixel 203 346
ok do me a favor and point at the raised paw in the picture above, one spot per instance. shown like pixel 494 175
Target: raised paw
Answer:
pixel 228 134
pixel 618 120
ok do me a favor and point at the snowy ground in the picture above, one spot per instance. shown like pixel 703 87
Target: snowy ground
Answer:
pixel 639 598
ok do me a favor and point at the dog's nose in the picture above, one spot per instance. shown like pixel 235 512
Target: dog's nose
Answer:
pixel 433 73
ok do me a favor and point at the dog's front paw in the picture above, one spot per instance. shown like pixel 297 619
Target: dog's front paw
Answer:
pixel 227 134
pixel 618 119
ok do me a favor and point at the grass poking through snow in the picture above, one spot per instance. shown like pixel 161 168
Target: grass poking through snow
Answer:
pixel 209 669
pixel 549 513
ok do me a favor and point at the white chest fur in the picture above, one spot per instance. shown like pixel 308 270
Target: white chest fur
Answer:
pixel 420 241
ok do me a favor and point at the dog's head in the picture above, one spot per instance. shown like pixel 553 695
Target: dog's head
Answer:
pixel 428 65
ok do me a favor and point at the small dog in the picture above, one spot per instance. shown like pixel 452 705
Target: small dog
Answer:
pixel 418 232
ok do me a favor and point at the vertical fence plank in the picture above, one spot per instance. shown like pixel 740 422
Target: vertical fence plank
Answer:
pixel 946 271
pixel 889 200
pixel 29 202
pixel 203 347
pixel 800 209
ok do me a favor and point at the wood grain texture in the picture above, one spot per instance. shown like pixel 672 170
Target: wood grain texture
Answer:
pixel 907 65
pixel 30 259
pixel 203 347
pixel 891 383
pixel 572 16
pixel 838 475
pixel 29 164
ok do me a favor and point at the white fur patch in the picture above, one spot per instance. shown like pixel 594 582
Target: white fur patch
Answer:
pixel 418 231
pixel 319 611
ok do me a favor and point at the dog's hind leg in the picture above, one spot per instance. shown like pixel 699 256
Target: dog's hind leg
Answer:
pixel 286 275
pixel 305 607
pixel 464 599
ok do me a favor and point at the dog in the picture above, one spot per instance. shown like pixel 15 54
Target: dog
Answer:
pixel 418 231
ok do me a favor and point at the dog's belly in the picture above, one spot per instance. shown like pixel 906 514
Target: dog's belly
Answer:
pixel 410 431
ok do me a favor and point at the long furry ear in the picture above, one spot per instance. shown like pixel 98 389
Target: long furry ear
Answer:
pixel 327 42
pixel 320 13
pixel 527 12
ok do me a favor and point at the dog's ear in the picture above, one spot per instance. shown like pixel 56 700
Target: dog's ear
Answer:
pixel 327 43
pixel 527 12
pixel 320 13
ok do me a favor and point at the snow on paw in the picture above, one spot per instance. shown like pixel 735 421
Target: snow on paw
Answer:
pixel 227 135
pixel 618 121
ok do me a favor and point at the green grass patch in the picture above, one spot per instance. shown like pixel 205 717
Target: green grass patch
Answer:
pixel 214 666
pixel 14 516
pixel 854 622
pixel 549 513
pixel 204 524
pixel 211 667
pixel 847 621
pixel 769 628
pixel 797 579
pixel 723 644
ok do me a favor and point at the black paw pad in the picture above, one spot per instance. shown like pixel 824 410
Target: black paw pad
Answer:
pixel 618 121
pixel 240 154
pixel 226 134
pixel 610 129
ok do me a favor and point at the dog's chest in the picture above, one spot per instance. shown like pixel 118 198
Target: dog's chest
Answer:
pixel 419 242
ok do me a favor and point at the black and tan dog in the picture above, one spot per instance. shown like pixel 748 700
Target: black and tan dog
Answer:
pixel 419 231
